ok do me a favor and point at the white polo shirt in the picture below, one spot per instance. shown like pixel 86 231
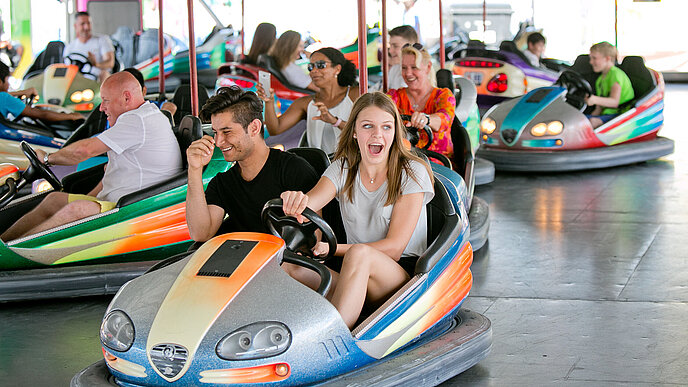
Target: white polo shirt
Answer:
pixel 143 151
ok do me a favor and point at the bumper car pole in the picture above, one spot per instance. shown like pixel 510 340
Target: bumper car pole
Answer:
pixel 362 48
pixel 192 60
pixel 441 38
pixel 385 59
pixel 161 53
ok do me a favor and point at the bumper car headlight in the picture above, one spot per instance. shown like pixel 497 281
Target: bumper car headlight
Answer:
pixel 255 341
pixel 539 130
pixel 87 95
pixel 117 331
pixel 554 128
pixel 76 97
pixel 488 125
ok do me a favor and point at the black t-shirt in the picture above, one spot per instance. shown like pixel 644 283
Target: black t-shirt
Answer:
pixel 243 200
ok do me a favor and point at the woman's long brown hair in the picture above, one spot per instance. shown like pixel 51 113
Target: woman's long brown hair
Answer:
pixel 399 156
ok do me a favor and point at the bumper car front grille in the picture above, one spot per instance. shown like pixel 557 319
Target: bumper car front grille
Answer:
pixel 169 359
pixel 509 135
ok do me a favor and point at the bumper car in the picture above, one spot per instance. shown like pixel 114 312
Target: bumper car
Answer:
pixel 502 74
pixel 218 48
pixel 228 314
pixel 73 86
pixel 94 255
pixel 546 130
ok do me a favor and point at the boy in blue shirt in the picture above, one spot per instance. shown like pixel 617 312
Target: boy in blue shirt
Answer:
pixel 613 86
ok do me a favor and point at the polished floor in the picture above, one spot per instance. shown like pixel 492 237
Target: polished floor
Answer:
pixel 585 280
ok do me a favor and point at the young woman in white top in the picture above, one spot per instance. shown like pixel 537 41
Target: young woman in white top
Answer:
pixel 285 51
pixel 328 110
pixel 382 190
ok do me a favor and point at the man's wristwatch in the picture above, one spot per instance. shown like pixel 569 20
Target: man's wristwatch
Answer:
pixel 45 160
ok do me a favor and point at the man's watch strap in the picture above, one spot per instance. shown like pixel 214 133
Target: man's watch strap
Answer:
pixel 45 160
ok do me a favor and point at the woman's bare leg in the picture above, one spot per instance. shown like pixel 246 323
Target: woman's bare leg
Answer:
pixel 366 273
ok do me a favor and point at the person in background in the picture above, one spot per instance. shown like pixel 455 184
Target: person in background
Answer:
pixel 425 103
pixel 398 38
pixel 536 47
pixel 97 48
pixel 285 51
pixel 141 148
pixel 327 111
pixel 263 39
pixel 613 86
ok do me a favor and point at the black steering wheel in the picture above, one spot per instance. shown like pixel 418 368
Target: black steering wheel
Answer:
pixel 414 134
pixel 38 169
pixel 35 170
pixel 300 238
pixel 578 88
pixel 82 63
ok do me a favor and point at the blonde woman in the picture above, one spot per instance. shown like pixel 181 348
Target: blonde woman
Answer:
pixel 425 103
pixel 382 190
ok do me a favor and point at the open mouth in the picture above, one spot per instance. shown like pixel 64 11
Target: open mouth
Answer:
pixel 229 148
pixel 375 149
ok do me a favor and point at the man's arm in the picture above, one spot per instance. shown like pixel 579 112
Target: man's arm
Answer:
pixel 76 152
pixel 47 115
pixel 202 219
pixel 108 61
pixel 24 93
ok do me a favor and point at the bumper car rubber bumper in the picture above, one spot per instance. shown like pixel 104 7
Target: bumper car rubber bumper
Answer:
pixel 464 345
pixel 575 160
pixel 479 218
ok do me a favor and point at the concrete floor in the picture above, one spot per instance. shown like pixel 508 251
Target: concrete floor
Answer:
pixel 585 279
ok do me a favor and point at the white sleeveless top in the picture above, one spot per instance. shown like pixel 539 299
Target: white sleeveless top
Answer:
pixel 322 135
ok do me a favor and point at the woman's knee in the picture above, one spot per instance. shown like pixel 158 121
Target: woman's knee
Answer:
pixel 358 255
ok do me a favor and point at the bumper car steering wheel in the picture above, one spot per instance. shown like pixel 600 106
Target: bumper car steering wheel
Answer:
pixel 81 61
pixel 300 238
pixel 578 89
pixel 35 170
pixel 415 135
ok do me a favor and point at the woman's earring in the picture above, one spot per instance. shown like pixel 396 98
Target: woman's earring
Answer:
pixel 354 136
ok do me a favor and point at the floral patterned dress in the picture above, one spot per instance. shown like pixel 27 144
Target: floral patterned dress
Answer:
pixel 440 101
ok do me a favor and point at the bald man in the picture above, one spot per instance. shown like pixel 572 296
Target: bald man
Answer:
pixel 141 149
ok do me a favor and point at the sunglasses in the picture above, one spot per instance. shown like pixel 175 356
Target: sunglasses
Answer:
pixel 321 64
pixel 417 46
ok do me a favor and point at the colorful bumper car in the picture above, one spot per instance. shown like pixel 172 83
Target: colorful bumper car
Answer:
pixel 228 314
pixel 95 255
pixel 73 84
pixel 501 74
pixel 546 130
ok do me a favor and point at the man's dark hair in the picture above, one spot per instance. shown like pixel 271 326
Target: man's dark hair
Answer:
pixel 244 105
pixel 4 71
pixel 536 38
pixel 137 74
pixel 406 32
pixel 82 13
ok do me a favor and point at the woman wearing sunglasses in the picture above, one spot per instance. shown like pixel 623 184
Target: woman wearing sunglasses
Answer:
pixel 327 111
pixel 425 103
pixel 382 189
pixel 285 51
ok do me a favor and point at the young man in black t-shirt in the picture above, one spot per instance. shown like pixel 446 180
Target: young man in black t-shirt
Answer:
pixel 260 173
